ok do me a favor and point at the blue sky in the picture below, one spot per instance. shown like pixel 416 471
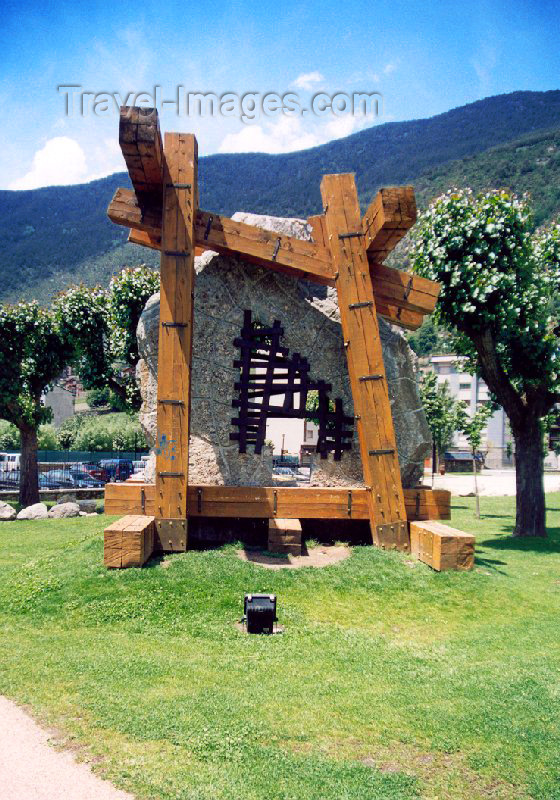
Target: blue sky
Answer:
pixel 423 57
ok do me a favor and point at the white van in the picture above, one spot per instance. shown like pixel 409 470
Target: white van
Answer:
pixel 10 461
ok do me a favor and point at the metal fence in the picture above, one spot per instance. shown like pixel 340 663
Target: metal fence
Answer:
pixel 73 473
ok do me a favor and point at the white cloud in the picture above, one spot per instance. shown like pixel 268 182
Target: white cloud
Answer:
pixel 282 136
pixel 389 68
pixel 307 80
pixel 289 133
pixel 62 161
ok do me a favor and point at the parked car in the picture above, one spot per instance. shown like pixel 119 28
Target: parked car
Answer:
pixel 9 478
pixel 283 471
pixel 117 469
pixel 96 472
pixel 83 480
pixel 56 479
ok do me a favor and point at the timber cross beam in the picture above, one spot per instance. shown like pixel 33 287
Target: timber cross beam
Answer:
pixel 347 251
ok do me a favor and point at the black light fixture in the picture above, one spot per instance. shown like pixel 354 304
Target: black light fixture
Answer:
pixel 260 613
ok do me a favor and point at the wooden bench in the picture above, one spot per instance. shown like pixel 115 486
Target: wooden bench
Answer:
pixel 440 546
pixel 129 542
pixel 284 536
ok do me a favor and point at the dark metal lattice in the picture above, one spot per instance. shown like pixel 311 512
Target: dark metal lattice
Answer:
pixel 266 371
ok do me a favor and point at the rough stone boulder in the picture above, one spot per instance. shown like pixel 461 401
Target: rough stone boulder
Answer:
pixel 89 506
pixel 36 511
pixel 7 512
pixel 63 510
pixel 225 287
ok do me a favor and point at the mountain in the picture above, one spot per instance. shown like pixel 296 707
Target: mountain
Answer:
pixel 59 235
pixel 530 164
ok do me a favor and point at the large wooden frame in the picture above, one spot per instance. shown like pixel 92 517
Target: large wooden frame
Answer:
pixel 347 252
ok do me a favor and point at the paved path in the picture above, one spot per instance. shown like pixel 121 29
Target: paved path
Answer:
pixel 32 770
pixel 491 483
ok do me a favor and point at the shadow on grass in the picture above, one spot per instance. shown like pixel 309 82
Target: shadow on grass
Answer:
pixel 528 544
pixel 490 563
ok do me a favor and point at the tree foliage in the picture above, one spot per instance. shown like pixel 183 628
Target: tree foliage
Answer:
pixel 33 351
pixel 499 283
pixel 498 280
pixel 106 432
pixel 101 326
pixel 445 415
pixel 473 426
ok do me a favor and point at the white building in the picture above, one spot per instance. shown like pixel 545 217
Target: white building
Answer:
pixel 497 441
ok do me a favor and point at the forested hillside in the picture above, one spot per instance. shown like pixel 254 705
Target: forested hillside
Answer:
pixel 55 236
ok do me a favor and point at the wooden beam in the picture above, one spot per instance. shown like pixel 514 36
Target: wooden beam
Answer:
pixel 368 380
pixel 391 214
pixel 141 145
pixel 180 201
pixel 224 235
pixel 269 502
pixel 401 298
pixel 124 209
pixel 144 239
pixel 442 547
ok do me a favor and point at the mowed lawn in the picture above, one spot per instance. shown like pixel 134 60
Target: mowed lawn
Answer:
pixel 390 681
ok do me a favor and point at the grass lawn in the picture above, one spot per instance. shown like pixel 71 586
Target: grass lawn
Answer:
pixel 391 681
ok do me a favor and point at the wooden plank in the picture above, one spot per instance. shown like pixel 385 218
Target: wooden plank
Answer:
pixel 141 145
pixel 442 547
pixel 258 502
pixel 176 323
pixel 365 359
pixel 410 320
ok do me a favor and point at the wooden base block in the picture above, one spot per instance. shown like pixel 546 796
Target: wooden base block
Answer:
pixel 441 547
pixel 284 536
pixel 129 542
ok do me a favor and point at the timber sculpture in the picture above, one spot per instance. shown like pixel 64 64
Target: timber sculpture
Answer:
pixel 347 252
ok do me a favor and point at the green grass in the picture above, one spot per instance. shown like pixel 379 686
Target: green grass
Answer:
pixel 390 681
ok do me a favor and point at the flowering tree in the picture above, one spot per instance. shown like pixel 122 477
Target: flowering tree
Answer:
pixel 33 352
pixel 101 324
pixel 499 283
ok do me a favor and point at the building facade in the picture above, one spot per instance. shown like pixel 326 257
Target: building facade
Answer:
pixel 497 441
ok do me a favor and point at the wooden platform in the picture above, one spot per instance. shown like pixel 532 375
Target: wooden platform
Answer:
pixel 129 542
pixel 441 547
pixel 270 502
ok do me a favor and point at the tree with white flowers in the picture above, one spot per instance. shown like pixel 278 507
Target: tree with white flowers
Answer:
pixel 33 352
pixel 500 283
pixel 101 325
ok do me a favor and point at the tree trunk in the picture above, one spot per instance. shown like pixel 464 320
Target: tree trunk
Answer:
pixel 530 517
pixel 29 470
pixel 477 500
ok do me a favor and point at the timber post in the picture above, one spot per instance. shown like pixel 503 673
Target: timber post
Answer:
pixel 180 201
pixel 372 407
